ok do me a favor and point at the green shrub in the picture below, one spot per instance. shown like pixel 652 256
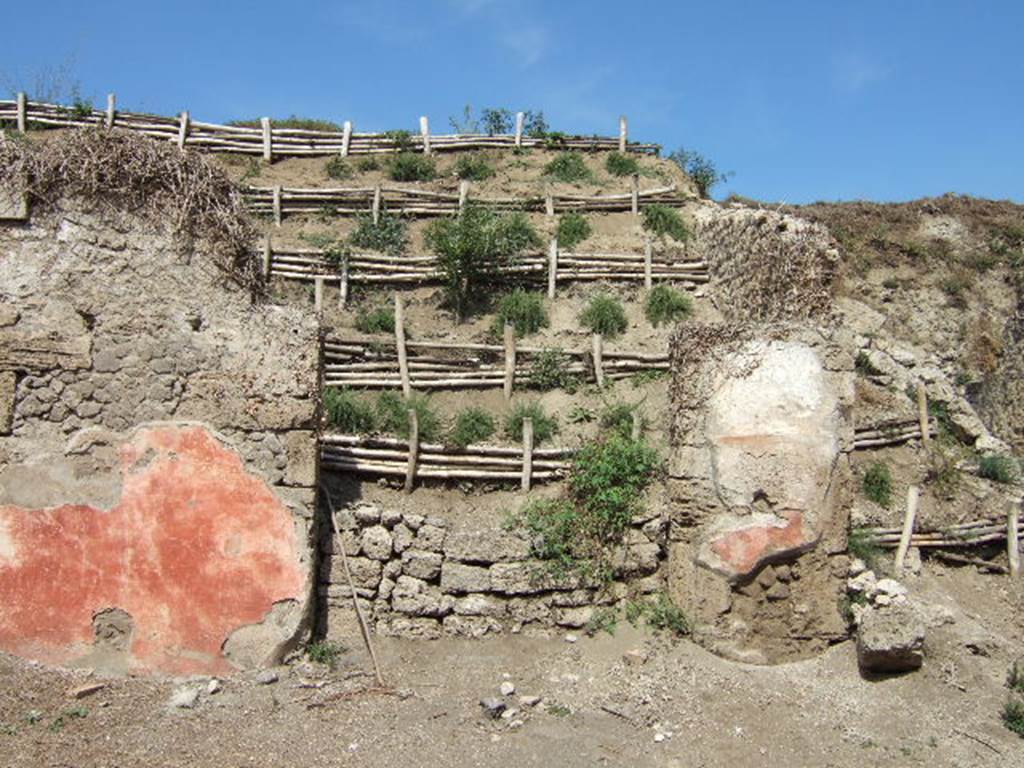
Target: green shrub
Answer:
pixel 607 479
pixel 662 221
pixel 619 164
pixel 999 469
pixel 367 164
pixel 496 121
pixel 474 167
pixel 957 287
pixel 1013 716
pixel 389 235
pixel 877 484
pixel 862 545
pixel 534 124
pixel 376 320
pixel 472 425
pixel 412 166
pixel 573 229
pixel 544 427
pixel 603 620
pixel 704 173
pixel 604 314
pixel 667 305
pixel 524 310
pixel 550 370
pixel 618 418
pixel 392 414
pixel 325 652
pixel 663 615
pixel 553 529
pixel 338 168
pixel 347 412
pixel 401 138
pixel 472 247
pixel 568 167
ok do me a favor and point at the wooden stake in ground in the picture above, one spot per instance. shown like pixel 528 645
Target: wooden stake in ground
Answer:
pixel 22 112
pixel 277 204
pixel 376 204
pixel 922 414
pixel 527 453
pixel 1013 538
pixel 908 527
pixel 414 450
pixel 623 133
pixel 403 362
pixel 597 345
pixel 463 193
pixel 520 119
pixel 268 140
pixel 425 134
pixel 552 266
pixel 637 427
pixel 318 294
pixel 346 137
pixel 343 287
pixel 268 257
pixel 510 359
pixel 549 205
pixel 111 110
pixel 648 264
pixel 183 124
pixel 635 194
pixel 363 627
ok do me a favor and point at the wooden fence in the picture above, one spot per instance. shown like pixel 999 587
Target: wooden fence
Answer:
pixel 277 202
pixel 889 433
pixel 269 141
pixel 314 265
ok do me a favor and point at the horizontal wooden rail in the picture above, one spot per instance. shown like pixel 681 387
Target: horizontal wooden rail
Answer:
pixel 960 535
pixel 889 433
pixel 287 142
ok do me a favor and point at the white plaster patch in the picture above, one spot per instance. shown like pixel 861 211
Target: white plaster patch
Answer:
pixel 8 553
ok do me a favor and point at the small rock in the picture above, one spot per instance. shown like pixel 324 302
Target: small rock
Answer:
pixel 266 677
pixel 213 686
pixel 509 713
pixel 529 701
pixel 857 567
pixel 778 591
pixel 863 582
pixel 635 657
pixel 891 639
pixel 889 587
pixel 507 688
pixel 88 689
pixel 184 698
pixel 659 737
pixel 493 707
pixel 516 724
pixel 571 638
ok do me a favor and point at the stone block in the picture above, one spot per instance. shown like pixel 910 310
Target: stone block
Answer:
pixel 430 538
pixel 480 605
pixel 414 597
pixel 529 577
pixel 458 577
pixel 471 626
pixel 485 546
pixel 376 542
pixel 421 565
pixel 301 452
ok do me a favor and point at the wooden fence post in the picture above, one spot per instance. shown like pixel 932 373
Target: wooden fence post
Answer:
pixel 414 450
pixel 183 122
pixel 552 266
pixel 648 266
pixel 463 193
pixel 922 414
pixel 527 453
pixel 520 119
pixel 22 112
pixel 403 362
pixel 376 204
pixel 623 133
pixel 908 527
pixel 277 205
pixel 549 204
pixel 346 137
pixel 318 294
pixel 637 426
pixel 343 287
pixel 635 194
pixel 598 349
pixel 268 139
pixel 268 257
pixel 1013 538
pixel 425 133
pixel 111 109
pixel 510 359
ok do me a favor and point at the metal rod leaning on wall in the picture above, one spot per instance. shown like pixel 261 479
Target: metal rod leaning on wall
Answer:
pixel 363 627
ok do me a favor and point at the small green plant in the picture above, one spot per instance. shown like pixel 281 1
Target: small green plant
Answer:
pixel 703 171
pixel 877 484
pixel 957 287
pixel 573 229
pixel 390 234
pixel 253 169
pixel 580 414
pixel 522 309
pixel 1015 677
pixel 666 305
pixel 412 166
pixel 846 603
pixel 338 168
pixel 602 620
pixel 1013 716
pixel 568 167
pixel 559 710
pixel 325 652
pixel 376 320
pixel 348 412
pixel 618 418
pixel 553 528
pixel 367 164
pixel 62 719
pixel 619 164
pixel 604 314
pixel 472 425
pixel 401 138
pixel 861 544
pixel 663 615
pixel 474 167
pixel 662 221
pixel 472 248
pixel 544 427
pixel 643 378
pixel 392 413
pixel 550 370
pixel 999 469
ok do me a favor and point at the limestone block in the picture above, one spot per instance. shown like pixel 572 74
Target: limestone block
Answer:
pixel 485 546
pixel 458 577
pixel 301 451
pixel 421 565
pixel 480 605
pixel 414 597
pixel 471 626
pixel 890 639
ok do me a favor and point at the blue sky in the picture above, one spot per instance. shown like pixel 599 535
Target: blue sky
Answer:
pixel 803 101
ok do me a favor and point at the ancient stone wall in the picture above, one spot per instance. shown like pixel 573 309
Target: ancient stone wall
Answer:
pixel 158 436
pixel 419 576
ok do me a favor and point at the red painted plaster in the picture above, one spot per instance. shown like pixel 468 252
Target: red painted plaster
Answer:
pixel 742 550
pixel 195 548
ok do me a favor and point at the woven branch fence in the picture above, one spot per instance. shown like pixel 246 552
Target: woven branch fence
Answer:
pixel 889 433
pixel 269 141
pixel 277 202
pixel 961 535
